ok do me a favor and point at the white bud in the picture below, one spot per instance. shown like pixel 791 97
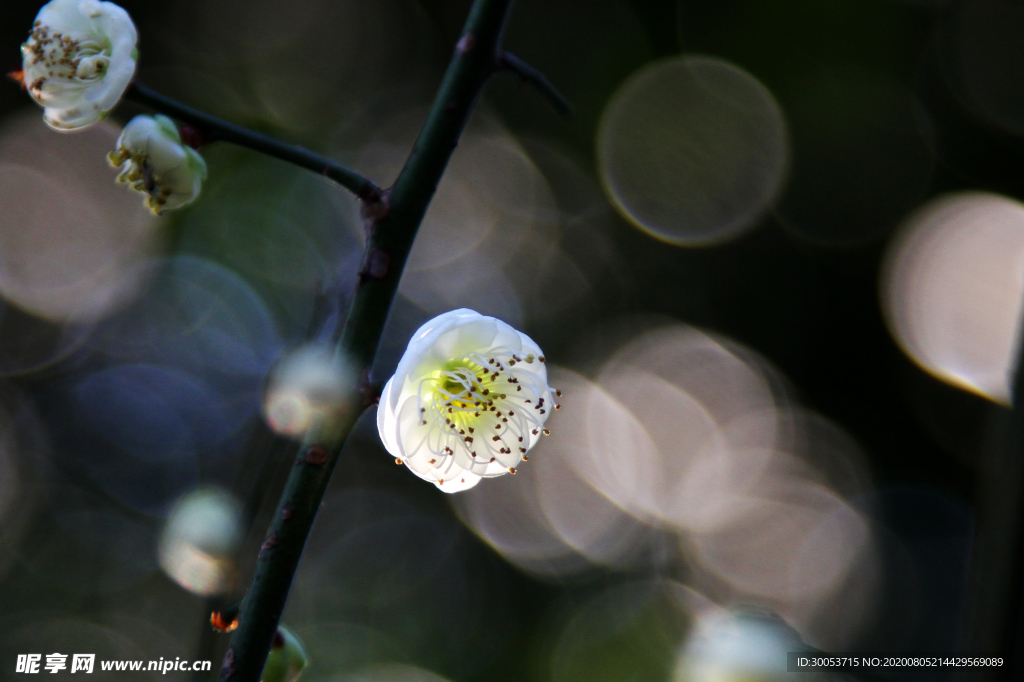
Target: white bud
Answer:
pixel 287 658
pixel 78 61
pixel 154 160
pixel 312 388
pixel 469 399
pixel 199 540
pixel 738 646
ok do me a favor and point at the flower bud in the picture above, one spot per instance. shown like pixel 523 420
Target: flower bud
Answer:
pixel 312 388
pixel 78 61
pixel 469 399
pixel 154 160
pixel 287 657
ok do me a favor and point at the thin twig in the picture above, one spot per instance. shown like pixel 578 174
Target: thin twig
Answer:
pixel 393 227
pixel 509 62
pixel 215 129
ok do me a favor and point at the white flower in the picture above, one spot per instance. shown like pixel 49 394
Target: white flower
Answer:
pixel 468 400
pixel 156 162
pixel 78 61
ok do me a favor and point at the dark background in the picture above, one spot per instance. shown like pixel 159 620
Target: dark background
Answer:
pixel 801 289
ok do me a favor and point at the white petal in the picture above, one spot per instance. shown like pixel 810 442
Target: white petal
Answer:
pixel 438 452
pixel 463 338
pixel 464 482
pixel 85 96
pixel 75 118
pixel 65 16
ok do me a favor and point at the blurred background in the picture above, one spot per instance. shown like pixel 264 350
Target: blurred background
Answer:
pixel 775 259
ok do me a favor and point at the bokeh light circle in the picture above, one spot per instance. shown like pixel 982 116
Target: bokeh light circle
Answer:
pixel 199 540
pixel 72 242
pixel 952 288
pixel 704 431
pixel 737 646
pixel 692 150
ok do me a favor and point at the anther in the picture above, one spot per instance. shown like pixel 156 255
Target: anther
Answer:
pixel 511 470
pixel 398 460
pixel 546 432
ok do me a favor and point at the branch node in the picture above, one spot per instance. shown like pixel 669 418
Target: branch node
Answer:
pixel 466 44
pixel 531 76
pixel 376 207
pixel 192 136
pixel 227 669
pixel 377 264
pixel 269 543
pixel 315 455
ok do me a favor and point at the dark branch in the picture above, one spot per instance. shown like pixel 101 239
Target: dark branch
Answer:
pixel 509 62
pixel 391 233
pixel 215 129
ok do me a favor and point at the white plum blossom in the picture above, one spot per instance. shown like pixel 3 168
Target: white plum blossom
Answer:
pixel 155 161
pixel 469 399
pixel 78 61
